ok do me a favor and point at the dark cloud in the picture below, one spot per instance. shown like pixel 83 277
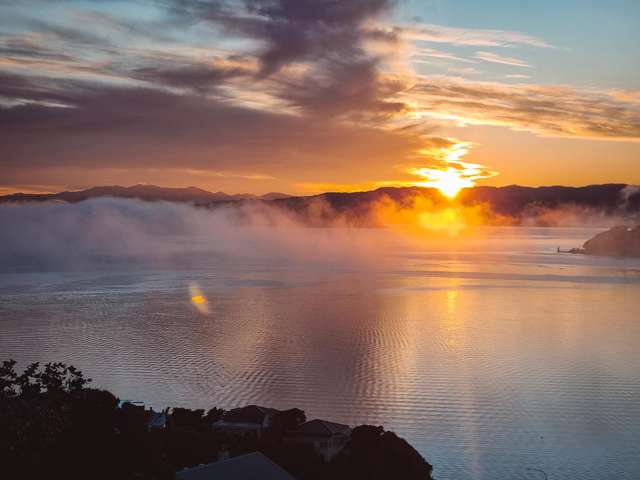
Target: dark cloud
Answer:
pixel 146 127
pixel 29 89
pixel 290 30
pixel 346 87
pixel 83 119
pixel 328 36
pixel 200 78
pixel 310 29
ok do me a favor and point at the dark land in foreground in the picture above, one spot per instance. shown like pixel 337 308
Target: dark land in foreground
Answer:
pixel 52 425
pixel 512 204
pixel 620 241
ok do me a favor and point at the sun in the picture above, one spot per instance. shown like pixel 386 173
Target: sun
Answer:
pixel 450 175
pixel 451 186
pixel 449 179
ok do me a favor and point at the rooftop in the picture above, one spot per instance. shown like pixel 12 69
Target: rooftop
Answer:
pixel 253 466
pixel 321 428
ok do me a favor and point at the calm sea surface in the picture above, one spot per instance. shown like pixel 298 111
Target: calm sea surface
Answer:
pixel 491 356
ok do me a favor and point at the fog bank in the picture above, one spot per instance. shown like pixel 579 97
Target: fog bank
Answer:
pixel 108 231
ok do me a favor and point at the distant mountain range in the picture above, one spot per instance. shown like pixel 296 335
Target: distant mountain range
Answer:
pixel 514 202
pixel 142 192
pixel 510 204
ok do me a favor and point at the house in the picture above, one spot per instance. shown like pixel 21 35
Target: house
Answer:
pixel 326 438
pixel 122 403
pixel 157 420
pixel 252 419
pixel 253 466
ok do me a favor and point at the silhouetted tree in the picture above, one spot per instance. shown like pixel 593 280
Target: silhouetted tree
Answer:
pixel 289 419
pixel 373 453
pixel 214 415
pixel 8 378
pixel 185 418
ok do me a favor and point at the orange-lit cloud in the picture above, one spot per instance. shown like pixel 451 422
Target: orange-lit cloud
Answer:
pixel 552 110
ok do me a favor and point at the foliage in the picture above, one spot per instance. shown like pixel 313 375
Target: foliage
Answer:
pixel 373 453
pixel 52 425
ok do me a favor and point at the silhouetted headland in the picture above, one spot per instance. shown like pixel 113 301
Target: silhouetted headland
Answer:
pixel 620 241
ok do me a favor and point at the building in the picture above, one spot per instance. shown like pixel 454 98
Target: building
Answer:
pixel 122 403
pixel 252 419
pixel 326 438
pixel 157 420
pixel 253 466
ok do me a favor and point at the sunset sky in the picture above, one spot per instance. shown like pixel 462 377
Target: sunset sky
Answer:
pixel 303 96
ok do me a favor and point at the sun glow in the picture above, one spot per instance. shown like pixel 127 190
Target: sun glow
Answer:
pixel 450 174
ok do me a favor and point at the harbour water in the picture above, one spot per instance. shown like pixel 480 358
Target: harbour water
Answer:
pixel 492 357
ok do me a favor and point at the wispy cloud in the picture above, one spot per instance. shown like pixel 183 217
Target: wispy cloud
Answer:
pixel 470 36
pixel 553 110
pixel 464 71
pixel 496 58
pixel 428 53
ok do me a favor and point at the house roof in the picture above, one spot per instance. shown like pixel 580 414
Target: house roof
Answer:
pixel 253 466
pixel 249 414
pixel 321 428
pixel 157 419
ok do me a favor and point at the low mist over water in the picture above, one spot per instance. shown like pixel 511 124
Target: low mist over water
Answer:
pixel 487 350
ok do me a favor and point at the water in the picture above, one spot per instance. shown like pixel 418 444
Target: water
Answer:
pixel 490 356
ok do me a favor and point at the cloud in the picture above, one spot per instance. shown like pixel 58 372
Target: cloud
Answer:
pixel 470 36
pixel 351 87
pixel 141 127
pixel 495 58
pixel 198 77
pixel 553 110
pixel 463 70
pixel 29 46
pixel 325 39
pixel 315 56
pixel 423 54
pixel 272 105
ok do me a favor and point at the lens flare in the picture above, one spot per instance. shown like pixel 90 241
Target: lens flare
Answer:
pixel 198 299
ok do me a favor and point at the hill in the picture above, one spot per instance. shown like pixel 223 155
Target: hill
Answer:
pixel 142 192
pixel 512 204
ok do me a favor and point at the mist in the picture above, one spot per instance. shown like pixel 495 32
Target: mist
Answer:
pixel 111 233
pixel 108 232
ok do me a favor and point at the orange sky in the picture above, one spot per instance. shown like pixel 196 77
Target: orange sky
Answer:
pixel 303 100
